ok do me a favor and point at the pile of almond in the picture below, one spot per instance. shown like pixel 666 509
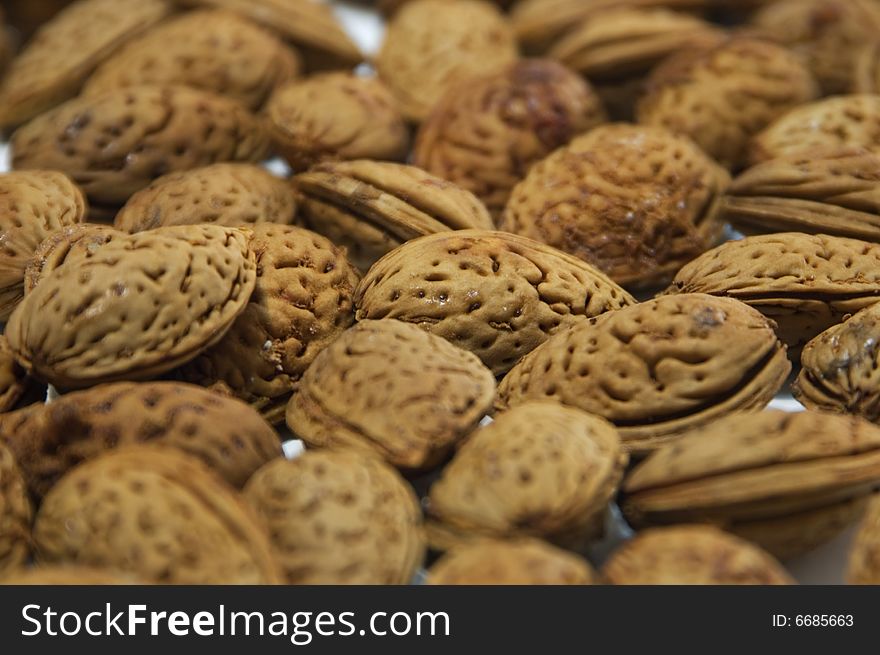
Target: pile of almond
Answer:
pixel 525 267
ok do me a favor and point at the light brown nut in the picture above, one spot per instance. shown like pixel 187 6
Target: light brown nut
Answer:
pixel 336 116
pixel 758 467
pixel 57 60
pixel 216 51
pixel 372 207
pixel 839 368
pixel 13 379
pixel 866 76
pixel 388 387
pixel 116 143
pixel 15 515
pixel 496 294
pixel 828 34
pixel 634 201
pixel 69 243
pixel 805 283
pixel 692 555
pixel 864 557
pixel 224 194
pixel 820 191
pixel 849 121
pixel 302 301
pixel 310 25
pixel 339 518
pixel 136 307
pixel 658 368
pixel 540 470
pixel 722 95
pixel 48 440
pixel 67 576
pixel 32 204
pixel 511 562
pixel 157 514
pixel 432 44
pixel 486 132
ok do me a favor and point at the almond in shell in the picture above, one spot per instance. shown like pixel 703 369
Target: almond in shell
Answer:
pixel 15 515
pixel 13 379
pixel 69 243
pixel 864 558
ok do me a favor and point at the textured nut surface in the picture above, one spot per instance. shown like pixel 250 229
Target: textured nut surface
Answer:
pixel 339 518
pixel 496 294
pixel 839 368
pixel 224 194
pixel 48 440
pixel 57 60
pixel 486 132
pixel 540 469
pixel 431 44
pixel 158 514
pixel 372 207
pixel 388 387
pixel 306 23
pixel 722 95
pixel 13 379
pixel 32 204
pixel 302 301
pixel 511 562
pixel 635 201
pixel 657 368
pixel 805 283
pixel 756 467
pixel 115 143
pixel 15 515
pixel 866 76
pixel 212 50
pixel 136 307
pixel 692 555
pixel 828 34
pixel 864 558
pixel 848 121
pixel 336 116
pixel 66 576
pixel 68 243
pixel 822 191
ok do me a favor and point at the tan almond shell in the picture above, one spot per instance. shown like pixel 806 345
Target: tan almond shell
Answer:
pixel 66 576
pixel 303 300
pixel 539 24
pixel 511 562
pixel 658 368
pixel 335 116
pixel 486 132
pixel 389 388
pixel 157 514
pixel 115 143
pixel 32 204
pixel 338 517
pixel 68 243
pixel 13 379
pixel 539 469
pixel 49 440
pixel 846 121
pixel 216 51
pixel 430 45
pixel 16 514
pixel 59 57
pixel 754 466
pixel 692 555
pixel 371 207
pixel 834 192
pixel 308 24
pixel 629 41
pixel 495 294
pixel 637 202
pixel 136 307
pixel 722 95
pixel 227 194
pixel 839 368
pixel 805 283
pixel 866 76
pixel 864 557
pixel 828 34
